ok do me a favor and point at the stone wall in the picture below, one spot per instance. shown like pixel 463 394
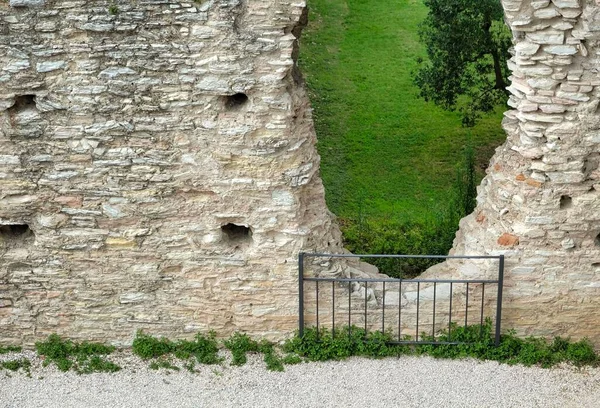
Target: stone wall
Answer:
pixel 158 172
pixel 158 168
pixel 540 201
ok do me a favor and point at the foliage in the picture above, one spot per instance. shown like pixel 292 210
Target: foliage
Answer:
pixel 15 365
pixel 164 363
pixel 83 357
pixel 9 349
pixel 343 343
pixel 432 236
pixel 203 348
pixel 271 359
pixel 467 45
pixel 240 344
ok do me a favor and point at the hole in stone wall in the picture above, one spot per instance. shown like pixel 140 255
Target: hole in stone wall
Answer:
pixel 566 202
pixel 235 100
pixel 23 102
pixel 597 240
pixel 596 265
pixel 237 233
pixel 15 231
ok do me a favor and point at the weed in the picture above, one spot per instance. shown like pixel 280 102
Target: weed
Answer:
pixel 9 349
pixel 291 359
pixel 155 365
pixel 113 9
pixel 15 365
pixel 203 348
pixel 190 366
pixel 478 343
pixel 271 359
pixel 84 357
pixel 240 344
pixel 147 346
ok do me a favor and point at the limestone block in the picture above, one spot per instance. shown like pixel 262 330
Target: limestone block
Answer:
pixel 26 3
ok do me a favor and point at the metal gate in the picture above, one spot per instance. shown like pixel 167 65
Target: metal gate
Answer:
pixel 331 285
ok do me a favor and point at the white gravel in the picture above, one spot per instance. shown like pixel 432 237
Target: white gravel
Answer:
pixel 393 382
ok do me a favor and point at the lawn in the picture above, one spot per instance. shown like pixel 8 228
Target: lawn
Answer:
pixel 387 155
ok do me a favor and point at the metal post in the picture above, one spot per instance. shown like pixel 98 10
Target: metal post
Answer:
pixel 301 294
pixel 499 300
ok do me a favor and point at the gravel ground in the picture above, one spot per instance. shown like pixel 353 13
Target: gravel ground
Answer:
pixel 393 382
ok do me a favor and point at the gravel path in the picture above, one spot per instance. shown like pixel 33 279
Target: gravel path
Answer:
pixel 393 382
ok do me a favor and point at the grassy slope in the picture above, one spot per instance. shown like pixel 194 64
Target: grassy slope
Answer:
pixel 386 154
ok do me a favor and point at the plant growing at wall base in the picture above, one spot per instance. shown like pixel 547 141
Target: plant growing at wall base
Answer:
pixel 83 357
pixel 9 349
pixel 346 342
pixel 203 348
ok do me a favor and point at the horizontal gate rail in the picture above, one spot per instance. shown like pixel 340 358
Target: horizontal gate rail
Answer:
pixel 322 280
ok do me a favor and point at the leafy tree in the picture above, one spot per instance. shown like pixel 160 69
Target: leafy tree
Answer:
pixel 467 44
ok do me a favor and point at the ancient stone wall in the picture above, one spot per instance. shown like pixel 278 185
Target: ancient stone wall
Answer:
pixel 540 201
pixel 157 168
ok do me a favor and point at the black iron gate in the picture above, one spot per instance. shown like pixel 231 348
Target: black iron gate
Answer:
pixel 431 283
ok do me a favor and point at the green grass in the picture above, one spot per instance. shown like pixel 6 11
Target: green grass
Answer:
pixel 386 154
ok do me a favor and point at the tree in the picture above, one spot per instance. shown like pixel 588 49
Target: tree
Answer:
pixel 467 44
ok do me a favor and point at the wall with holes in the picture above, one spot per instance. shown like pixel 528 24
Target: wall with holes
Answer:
pixel 157 168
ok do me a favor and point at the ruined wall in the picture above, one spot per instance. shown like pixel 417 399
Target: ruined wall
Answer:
pixel 540 201
pixel 131 133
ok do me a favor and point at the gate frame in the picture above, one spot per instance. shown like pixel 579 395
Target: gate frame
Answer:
pixel 499 282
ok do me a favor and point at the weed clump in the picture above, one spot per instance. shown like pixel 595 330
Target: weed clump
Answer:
pixel 240 345
pixel 478 343
pixel 83 357
pixel 203 348
pixel 9 349
pixel 15 365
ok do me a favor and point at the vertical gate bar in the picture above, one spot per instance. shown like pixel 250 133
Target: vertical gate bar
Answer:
pixel 399 310
pixel 301 294
pixel 349 307
pixel 366 292
pixel 450 313
pixel 332 309
pixel 383 310
pixel 317 282
pixel 433 325
pixel 481 320
pixel 418 298
pixel 499 300
pixel 467 306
